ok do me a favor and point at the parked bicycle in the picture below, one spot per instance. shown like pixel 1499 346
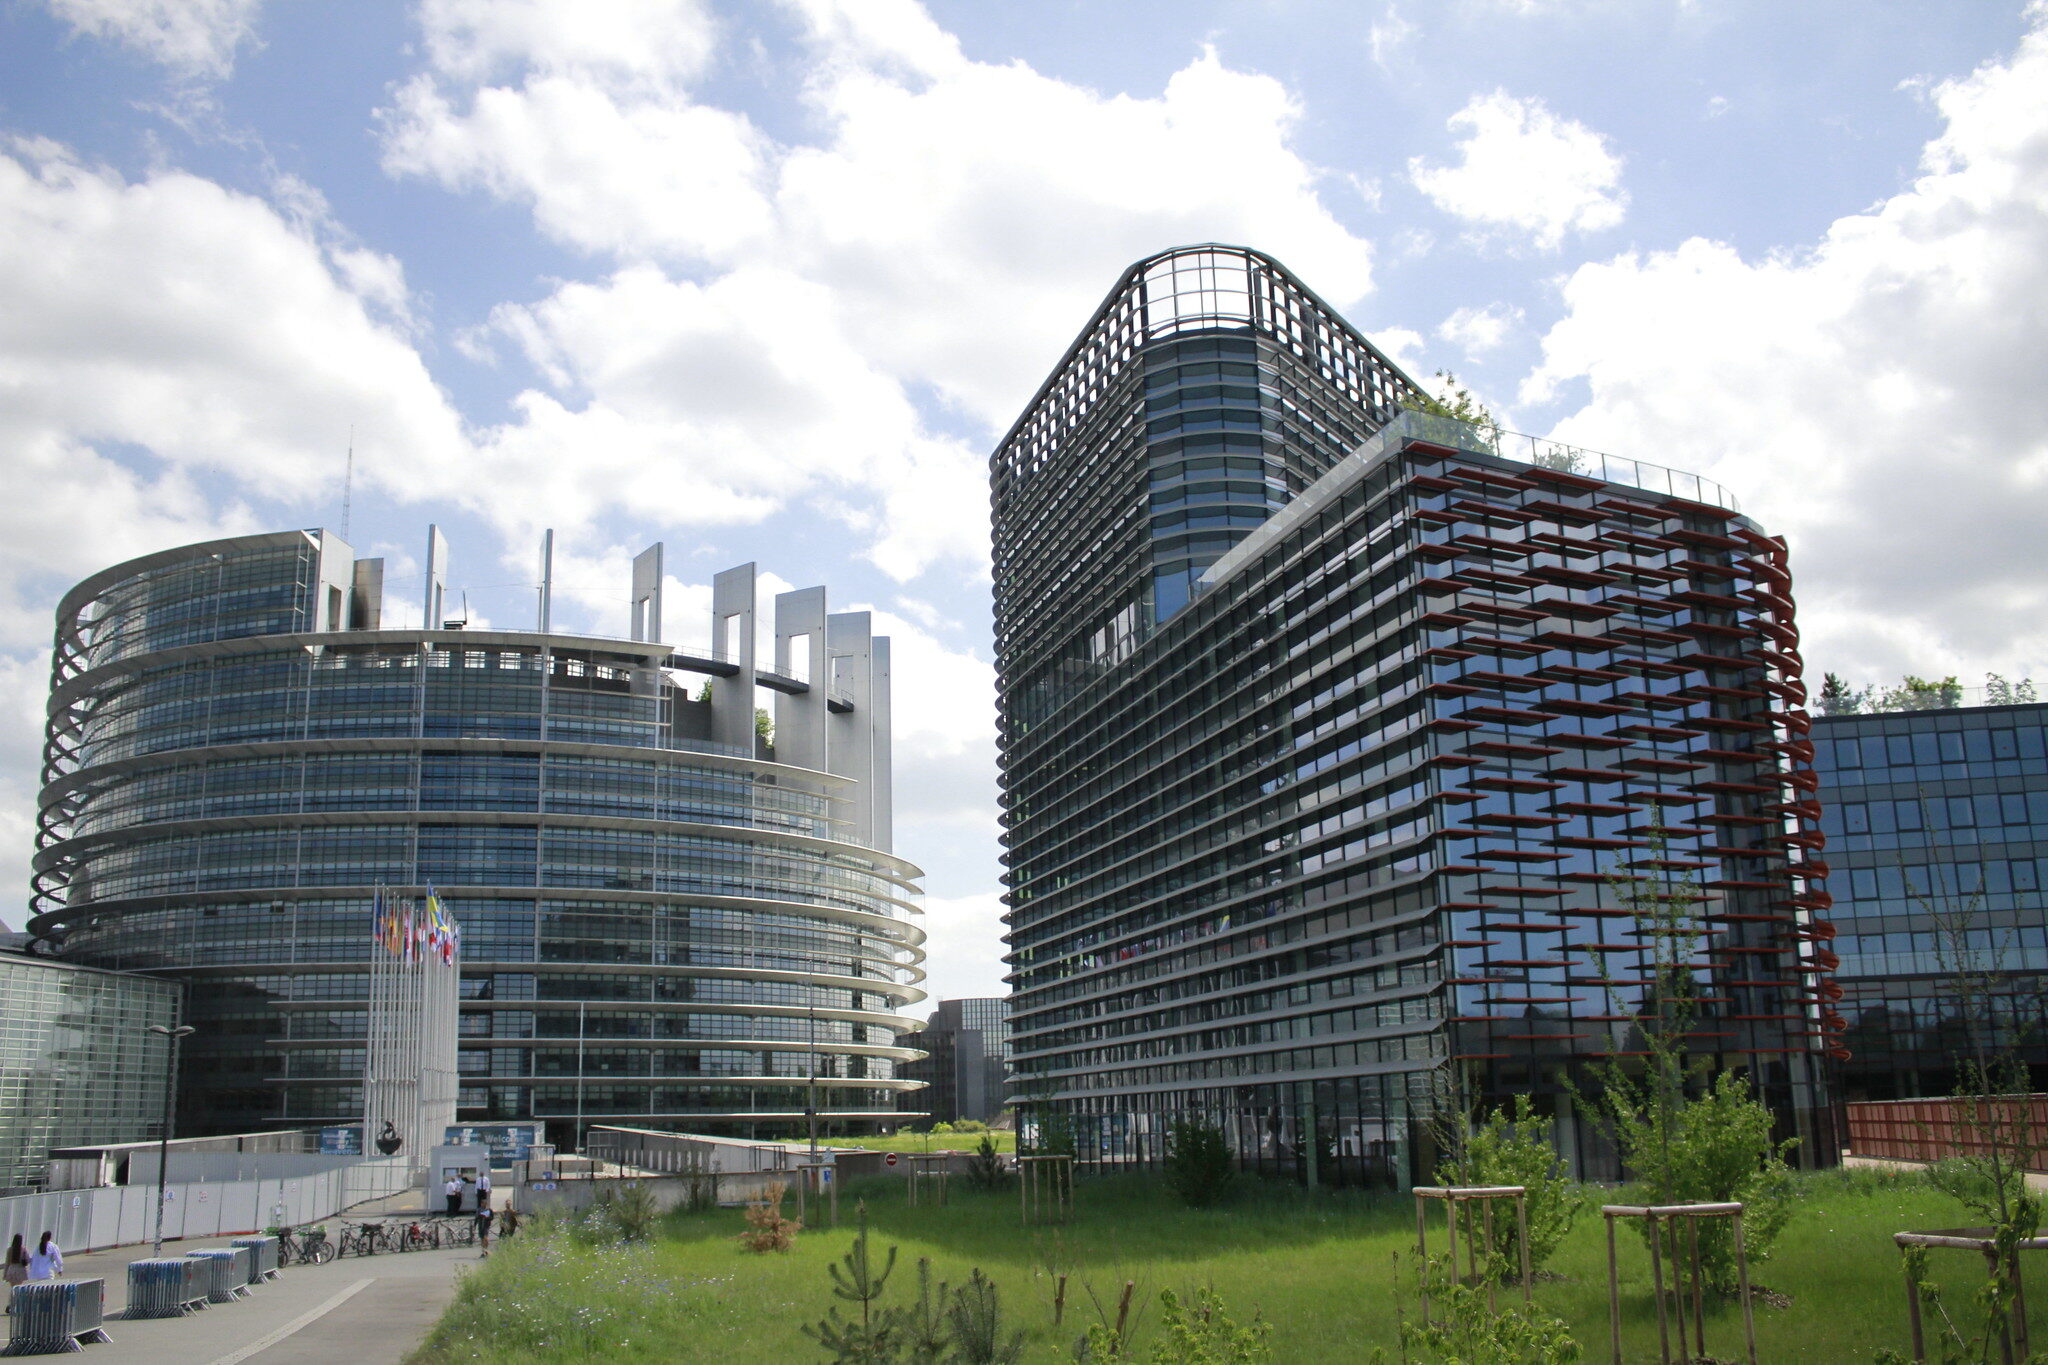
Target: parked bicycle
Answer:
pixel 420 1237
pixel 458 1232
pixel 304 1246
pixel 365 1239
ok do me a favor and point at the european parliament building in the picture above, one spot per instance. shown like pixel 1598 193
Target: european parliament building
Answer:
pixel 1341 747
pixel 668 920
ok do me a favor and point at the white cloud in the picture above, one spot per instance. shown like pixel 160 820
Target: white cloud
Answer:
pixel 196 39
pixel 1403 345
pixel 199 327
pixel 1523 169
pixel 1479 330
pixel 650 43
pixel 1387 35
pixel 965 954
pixel 1878 397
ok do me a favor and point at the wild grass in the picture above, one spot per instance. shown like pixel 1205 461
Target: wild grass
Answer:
pixel 1332 1273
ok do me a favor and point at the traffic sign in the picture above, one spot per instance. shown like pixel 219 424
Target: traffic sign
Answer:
pixel 889 1160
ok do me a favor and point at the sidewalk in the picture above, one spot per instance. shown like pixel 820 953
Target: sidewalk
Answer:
pixel 362 1310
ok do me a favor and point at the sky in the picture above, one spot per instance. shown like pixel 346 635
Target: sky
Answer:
pixel 768 280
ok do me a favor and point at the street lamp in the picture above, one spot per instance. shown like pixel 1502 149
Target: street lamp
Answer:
pixel 811 1087
pixel 163 1146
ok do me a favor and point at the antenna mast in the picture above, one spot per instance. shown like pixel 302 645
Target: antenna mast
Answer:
pixel 348 480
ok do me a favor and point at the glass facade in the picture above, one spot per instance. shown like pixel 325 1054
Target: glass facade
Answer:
pixel 1937 825
pixel 78 1065
pixel 1352 819
pixel 967 1061
pixel 656 928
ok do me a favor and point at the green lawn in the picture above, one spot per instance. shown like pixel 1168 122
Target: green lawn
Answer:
pixel 928 1142
pixel 1320 1269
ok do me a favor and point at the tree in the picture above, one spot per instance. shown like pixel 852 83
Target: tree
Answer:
pixel 1686 1137
pixel 1199 1167
pixel 1837 698
pixel 1457 402
pixel 1514 1146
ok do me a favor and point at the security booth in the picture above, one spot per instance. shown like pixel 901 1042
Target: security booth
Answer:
pixel 465 1162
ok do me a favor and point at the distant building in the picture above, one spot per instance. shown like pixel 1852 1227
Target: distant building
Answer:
pixel 77 1061
pixel 967 1066
pixel 1329 728
pixel 666 919
pixel 1937 825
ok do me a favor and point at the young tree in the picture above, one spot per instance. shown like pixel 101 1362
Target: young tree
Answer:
pixel 1684 1136
pixel 1455 401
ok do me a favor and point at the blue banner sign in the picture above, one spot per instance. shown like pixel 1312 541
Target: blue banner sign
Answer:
pixel 508 1142
pixel 342 1141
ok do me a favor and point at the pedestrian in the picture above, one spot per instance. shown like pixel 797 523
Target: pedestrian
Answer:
pixel 483 1187
pixel 46 1262
pixel 17 1267
pixel 483 1225
pixel 453 1189
pixel 511 1224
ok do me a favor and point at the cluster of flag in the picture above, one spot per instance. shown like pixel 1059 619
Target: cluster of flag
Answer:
pixel 416 932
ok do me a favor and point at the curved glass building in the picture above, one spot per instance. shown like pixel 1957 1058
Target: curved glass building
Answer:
pixel 667 919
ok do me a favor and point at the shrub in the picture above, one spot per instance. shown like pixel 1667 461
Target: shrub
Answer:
pixel 1715 1148
pixel 634 1209
pixel 969 1126
pixel 1513 1147
pixel 944 1327
pixel 1205 1335
pixel 767 1229
pixel 985 1168
pixel 1465 1330
pixel 1199 1167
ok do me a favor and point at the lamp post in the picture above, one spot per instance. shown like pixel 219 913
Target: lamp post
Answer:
pixel 163 1146
pixel 811 1086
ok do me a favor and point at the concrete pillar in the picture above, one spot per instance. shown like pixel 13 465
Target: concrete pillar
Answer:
pixel 647 594
pixel 801 652
pixel 732 639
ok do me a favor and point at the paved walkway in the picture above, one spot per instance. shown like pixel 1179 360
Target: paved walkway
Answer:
pixel 362 1310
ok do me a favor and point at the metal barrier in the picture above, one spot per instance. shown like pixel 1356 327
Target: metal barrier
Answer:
pixel 263 1254
pixel 168 1287
pixel 226 1276
pixel 53 1316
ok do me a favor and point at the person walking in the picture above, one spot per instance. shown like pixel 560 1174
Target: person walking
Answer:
pixel 483 1223
pixel 453 1190
pixel 17 1267
pixel 46 1262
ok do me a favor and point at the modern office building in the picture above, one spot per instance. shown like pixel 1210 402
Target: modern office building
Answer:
pixel 966 1066
pixel 666 920
pixel 77 1061
pixel 1937 829
pixel 1342 748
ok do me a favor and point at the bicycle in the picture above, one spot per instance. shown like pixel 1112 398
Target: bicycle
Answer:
pixel 364 1239
pixel 459 1233
pixel 420 1237
pixel 303 1246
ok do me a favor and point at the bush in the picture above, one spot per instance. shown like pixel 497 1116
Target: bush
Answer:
pixel 767 1229
pixel 1513 1147
pixel 1464 1330
pixel 1205 1335
pixel 1199 1167
pixel 633 1209
pixel 1713 1149
pixel 985 1168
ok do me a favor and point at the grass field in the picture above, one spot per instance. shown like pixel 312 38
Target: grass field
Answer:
pixel 929 1142
pixel 1322 1270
